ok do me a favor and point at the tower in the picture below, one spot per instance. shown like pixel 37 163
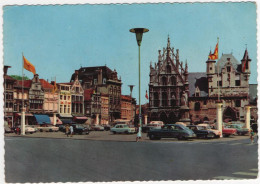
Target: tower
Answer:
pixel 211 70
pixel 245 65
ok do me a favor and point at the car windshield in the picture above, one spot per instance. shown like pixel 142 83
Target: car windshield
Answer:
pixel 201 128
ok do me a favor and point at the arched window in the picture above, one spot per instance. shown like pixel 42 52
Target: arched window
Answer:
pixel 173 99
pixel 164 81
pixel 168 69
pixel 197 106
pixel 156 99
pixel 173 80
pixel 164 99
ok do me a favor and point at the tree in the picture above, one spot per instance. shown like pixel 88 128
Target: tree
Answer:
pixel 18 77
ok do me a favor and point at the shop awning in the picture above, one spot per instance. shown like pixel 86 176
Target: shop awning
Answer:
pixel 81 117
pixel 65 115
pixel 26 114
pixel 42 119
pixel 66 120
pixel 58 121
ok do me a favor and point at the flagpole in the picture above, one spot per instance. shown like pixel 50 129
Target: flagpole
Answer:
pixel 23 110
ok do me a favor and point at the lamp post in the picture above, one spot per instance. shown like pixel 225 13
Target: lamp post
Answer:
pixel 131 89
pixel 139 34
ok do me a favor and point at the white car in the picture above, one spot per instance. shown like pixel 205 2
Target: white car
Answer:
pixel 122 128
pixel 29 129
pixel 48 128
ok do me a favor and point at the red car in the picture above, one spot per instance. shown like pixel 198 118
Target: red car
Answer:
pixel 226 132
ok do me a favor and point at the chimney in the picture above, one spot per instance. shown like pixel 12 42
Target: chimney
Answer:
pixel 100 76
pixel 6 69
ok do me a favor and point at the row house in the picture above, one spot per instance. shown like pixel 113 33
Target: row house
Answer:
pixel 127 108
pixel 64 102
pixel 8 97
pixel 77 100
pixel 102 80
pixel 104 108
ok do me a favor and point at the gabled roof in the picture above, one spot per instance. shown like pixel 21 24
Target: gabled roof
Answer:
pixel 198 79
pixel 45 84
pixel 88 93
pixel 224 59
pixel 26 83
pixel 246 56
pixel 66 83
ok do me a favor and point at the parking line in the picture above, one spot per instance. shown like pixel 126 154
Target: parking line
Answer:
pixel 246 173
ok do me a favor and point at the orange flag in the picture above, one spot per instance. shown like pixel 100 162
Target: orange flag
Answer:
pixel 146 95
pixel 214 56
pixel 28 66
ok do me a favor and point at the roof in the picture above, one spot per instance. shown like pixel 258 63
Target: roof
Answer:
pixel 88 93
pixel 198 79
pixel 45 84
pixel 125 97
pixel 7 77
pixel 252 93
pixel 66 83
pixel 26 83
pixel 223 60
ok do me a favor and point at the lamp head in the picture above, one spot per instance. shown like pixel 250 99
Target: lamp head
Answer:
pixel 139 34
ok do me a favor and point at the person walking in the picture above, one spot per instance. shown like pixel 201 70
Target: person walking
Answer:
pixel 67 130
pixel 138 135
pixel 71 130
pixel 252 136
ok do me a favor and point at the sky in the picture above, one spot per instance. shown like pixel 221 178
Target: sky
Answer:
pixel 60 39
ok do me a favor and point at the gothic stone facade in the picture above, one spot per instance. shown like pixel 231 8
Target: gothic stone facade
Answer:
pixel 168 87
pixel 225 80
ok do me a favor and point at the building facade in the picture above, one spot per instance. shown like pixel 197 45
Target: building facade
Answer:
pixel 127 108
pixel 103 81
pixel 104 108
pixel 225 80
pixel 64 103
pixel 8 97
pixel 168 87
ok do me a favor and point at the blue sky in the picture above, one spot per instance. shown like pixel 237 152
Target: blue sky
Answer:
pixel 59 39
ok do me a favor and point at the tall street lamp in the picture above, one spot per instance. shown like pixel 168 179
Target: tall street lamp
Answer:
pixel 139 34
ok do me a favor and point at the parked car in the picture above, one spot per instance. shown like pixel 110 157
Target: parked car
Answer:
pixel 201 131
pixel 146 128
pixel 239 128
pixel 28 129
pixel 122 128
pixel 217 133
pixel 97 128
pixel 62 128
pixel 107 127
pixel 171 131
pixel 226 132
pixel 79 129
pixel 48 128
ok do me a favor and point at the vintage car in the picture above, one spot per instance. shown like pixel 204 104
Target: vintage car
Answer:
pixel 122 128
pixel 201 131
pixel 146 128
pixel 48 128
pixel 226 132
pixel 97 128
pixel 239 128
pixel 217 133
pixel 171 131
pixel 80 129
pixel 28 129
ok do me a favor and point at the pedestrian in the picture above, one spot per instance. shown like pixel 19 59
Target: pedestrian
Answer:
pixel 252 136
pixel 71 130
pixel 138 135
pixel 67 130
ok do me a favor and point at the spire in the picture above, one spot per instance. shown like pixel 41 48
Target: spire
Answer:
pixel 246 56
pixel 169 43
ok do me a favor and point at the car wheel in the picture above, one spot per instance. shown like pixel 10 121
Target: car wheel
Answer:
pixel 114 132
pixel 31 132
pixel 180 137
pixel 41 130
pixel 151 137
pixel 126 132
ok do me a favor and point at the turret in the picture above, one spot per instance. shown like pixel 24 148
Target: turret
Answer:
pixel 246 63
pixel 210 66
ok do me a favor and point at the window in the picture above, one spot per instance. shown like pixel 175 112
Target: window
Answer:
pixel 210 68
pixel 164 81
pixel 205 102
pixel 65 97
pixel 238 103
pixel 228 68
pixel 95 81
pixel 237 82
pixel 173 80
pixel 104 81
pixel 197 106
pixel 219 83
pixel 168 69
pixel 61 97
